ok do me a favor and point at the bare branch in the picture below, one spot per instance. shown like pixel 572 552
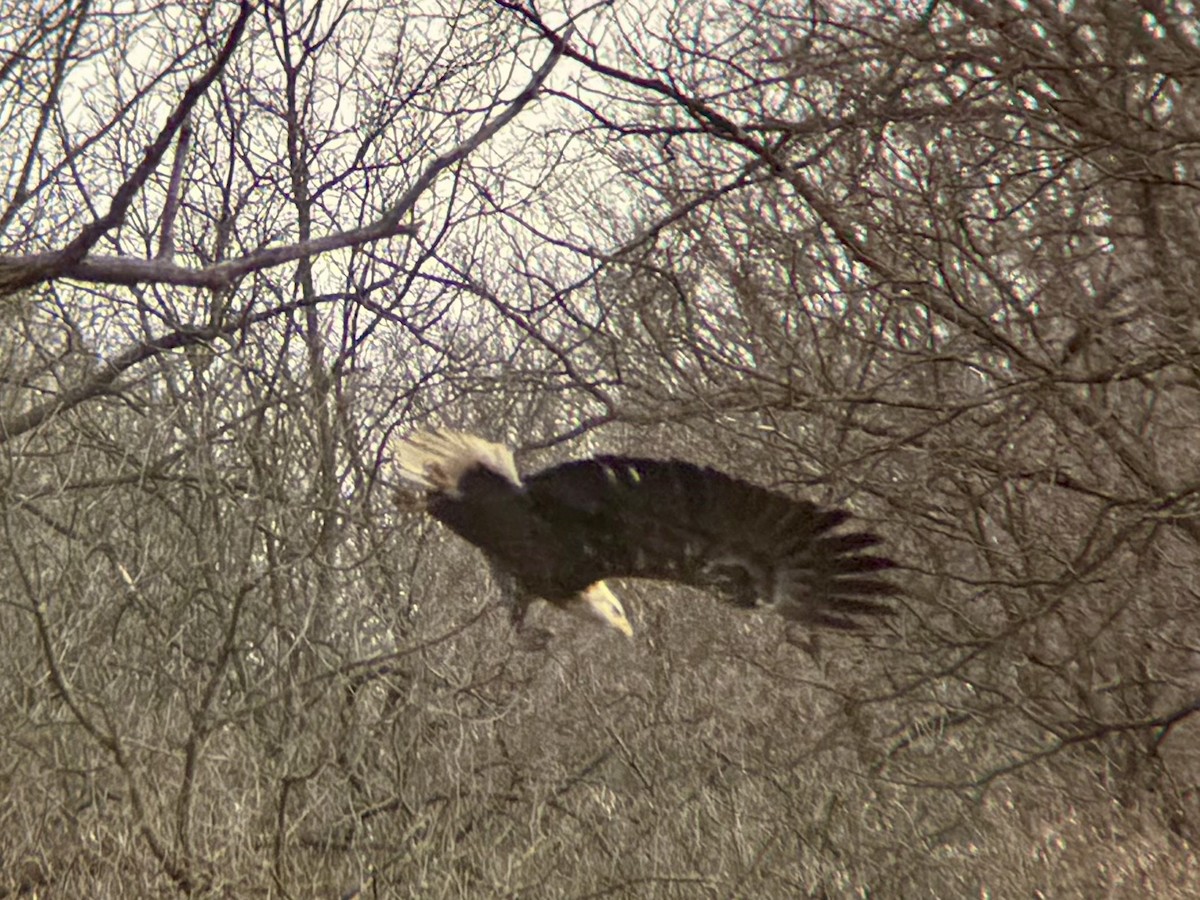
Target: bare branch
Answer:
pixel 19 273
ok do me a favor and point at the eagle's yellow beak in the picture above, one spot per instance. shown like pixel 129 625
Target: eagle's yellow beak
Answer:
pixel 599 603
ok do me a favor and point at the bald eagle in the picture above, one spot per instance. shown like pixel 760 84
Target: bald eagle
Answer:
pixel 558 533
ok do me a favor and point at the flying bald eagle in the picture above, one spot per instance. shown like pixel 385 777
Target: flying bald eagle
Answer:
pixel 558 533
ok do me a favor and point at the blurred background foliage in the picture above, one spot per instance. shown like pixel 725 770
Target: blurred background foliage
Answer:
pixel 934 262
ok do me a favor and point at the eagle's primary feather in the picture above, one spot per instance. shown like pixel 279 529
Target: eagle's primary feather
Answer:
pixel 561 531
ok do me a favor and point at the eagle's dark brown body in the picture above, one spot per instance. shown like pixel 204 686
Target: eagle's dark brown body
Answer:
pixel 562 531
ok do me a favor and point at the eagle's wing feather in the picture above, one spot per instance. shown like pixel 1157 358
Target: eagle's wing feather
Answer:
pixel 676 521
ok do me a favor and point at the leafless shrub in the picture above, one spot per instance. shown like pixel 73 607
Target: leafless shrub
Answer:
pixel 934 263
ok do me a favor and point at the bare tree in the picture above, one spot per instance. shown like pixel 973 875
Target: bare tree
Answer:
pixel 203 579
pixel 935 263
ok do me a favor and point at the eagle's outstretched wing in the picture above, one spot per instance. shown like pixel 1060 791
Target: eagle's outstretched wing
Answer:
pixel 615 516
pixel 560 532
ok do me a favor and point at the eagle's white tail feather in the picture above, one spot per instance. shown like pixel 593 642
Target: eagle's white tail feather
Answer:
pixel 437 459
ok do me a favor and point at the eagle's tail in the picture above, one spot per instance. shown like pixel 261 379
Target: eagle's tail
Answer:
pixel 438 459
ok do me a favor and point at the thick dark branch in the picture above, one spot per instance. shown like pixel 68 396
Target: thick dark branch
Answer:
pixel 101 381
pixel 710 119
pixel 31 270
pixel 17 272
pixel 166 243
pixel 485 133
pixel 131 270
